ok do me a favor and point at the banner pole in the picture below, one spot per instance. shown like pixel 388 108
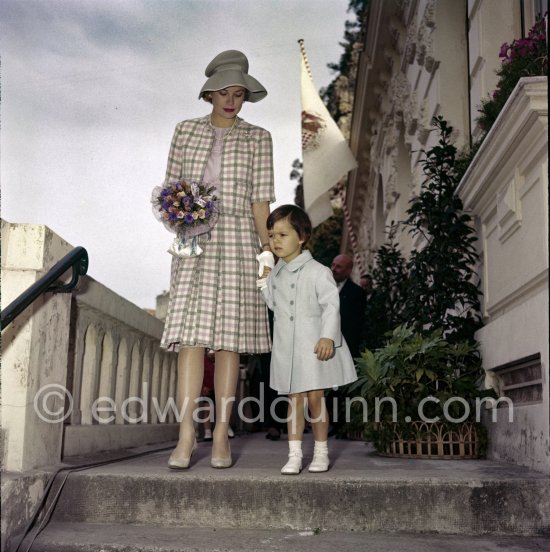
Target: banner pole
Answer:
pixel 304 55
pixel 352 237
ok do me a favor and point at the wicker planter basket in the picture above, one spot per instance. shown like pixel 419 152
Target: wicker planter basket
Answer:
pixel 433 440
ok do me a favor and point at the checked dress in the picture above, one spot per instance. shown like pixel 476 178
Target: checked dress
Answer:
pixel 214 301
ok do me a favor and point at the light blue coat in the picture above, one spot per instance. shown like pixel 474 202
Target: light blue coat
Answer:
pixel 304 298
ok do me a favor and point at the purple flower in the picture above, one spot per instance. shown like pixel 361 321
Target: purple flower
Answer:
pixel 187 203
pixel 172 217
pixel 165 192
pixel 166 205
pixel 208 205
pixel 188 219
pixel 523 52
pixel 504 50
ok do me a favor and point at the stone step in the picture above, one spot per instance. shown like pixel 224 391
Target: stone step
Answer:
pixel 361 492
pixel 82 537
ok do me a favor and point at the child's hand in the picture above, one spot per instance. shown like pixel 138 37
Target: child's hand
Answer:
pixel 324 348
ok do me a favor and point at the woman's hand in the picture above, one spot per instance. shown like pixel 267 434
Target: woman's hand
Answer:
pixel 261 282
pixel 265 259
pixel 324 348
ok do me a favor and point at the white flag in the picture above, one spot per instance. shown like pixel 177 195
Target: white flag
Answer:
pixel 325 151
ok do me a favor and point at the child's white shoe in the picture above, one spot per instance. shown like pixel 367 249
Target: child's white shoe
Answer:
pixel 294 464
pixel 320 463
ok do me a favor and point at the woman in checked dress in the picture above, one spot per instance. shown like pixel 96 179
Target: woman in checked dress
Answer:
pixel 214 302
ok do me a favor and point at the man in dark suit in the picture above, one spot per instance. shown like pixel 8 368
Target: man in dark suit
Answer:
pixel 352 303
pixel 352 314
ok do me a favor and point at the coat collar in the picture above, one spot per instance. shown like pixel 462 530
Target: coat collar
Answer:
pixel 295 264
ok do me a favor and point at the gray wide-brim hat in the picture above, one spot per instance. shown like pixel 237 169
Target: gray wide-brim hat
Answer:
pixel 230 68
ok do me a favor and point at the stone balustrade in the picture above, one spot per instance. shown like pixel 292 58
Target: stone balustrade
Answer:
pixel 81 372
pixel 122 384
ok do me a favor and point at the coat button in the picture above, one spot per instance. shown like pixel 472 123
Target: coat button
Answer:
pixel 291 285
pixel 274 287
pixel 292 302
pixel 274 304
pixel 291 318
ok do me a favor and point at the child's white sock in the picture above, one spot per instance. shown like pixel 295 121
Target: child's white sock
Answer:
pixel 320 447
pixel 295 448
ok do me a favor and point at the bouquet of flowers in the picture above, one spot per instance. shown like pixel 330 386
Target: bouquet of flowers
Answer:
pixel 189 209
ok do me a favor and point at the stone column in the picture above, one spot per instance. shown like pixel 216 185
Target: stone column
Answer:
pixel 34 350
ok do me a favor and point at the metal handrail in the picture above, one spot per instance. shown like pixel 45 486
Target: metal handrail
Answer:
pixel 77 259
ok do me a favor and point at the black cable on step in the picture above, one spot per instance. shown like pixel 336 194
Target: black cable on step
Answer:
pixel 35 526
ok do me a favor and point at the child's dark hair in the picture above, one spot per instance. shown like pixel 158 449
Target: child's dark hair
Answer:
pixel 297 218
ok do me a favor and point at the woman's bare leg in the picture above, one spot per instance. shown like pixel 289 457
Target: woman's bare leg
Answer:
pixel 190 376
pixel 226 375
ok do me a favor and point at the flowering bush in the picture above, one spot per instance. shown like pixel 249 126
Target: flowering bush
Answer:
pixel 525 57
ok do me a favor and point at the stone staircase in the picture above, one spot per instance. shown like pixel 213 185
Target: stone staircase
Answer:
pixel 365 502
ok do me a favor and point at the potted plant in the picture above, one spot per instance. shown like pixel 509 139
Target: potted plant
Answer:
pixel 422 396
pixel 524 57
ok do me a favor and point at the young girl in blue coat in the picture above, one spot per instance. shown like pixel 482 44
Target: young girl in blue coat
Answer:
pixel 309 353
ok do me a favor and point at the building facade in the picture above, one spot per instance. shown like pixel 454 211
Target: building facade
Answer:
pixel 424 58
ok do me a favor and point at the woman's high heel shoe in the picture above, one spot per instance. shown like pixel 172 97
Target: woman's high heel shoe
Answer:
pixel 222 462
pixel 183 463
